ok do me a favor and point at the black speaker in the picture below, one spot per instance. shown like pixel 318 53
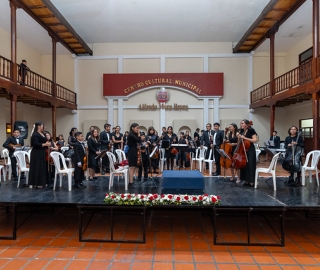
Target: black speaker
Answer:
pixel 23 127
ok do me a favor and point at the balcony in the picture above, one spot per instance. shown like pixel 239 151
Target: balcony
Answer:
pixel 37 90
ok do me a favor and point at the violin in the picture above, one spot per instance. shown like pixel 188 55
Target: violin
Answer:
pixel 291 162
pixel 85 160
pixel 227 148
pixel 239 158
pixel 174 151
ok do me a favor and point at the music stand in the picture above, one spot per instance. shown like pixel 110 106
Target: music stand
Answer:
pixel 100 156
pixel 223 154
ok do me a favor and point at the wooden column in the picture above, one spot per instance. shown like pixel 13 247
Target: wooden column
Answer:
pixel 13 98
pixel 315 96
pixel 272 85
pixel 54 87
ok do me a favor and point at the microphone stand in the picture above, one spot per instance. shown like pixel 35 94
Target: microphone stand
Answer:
pixel 149 159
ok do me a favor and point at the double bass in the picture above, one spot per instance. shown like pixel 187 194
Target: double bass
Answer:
pixel 227 148
pixel 291 162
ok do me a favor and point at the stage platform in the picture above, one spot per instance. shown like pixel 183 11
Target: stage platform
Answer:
pixel 235 200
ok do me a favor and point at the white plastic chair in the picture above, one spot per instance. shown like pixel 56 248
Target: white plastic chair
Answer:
pixel 209 161
pixel 7 164
pixel 258 151
pixel 199 157
pixel 114 171
pixel 121 155
pixel 21 160
pixel 271 170
pixel 56 156
pixel 315 156
pixel 63 149
pixel 162 159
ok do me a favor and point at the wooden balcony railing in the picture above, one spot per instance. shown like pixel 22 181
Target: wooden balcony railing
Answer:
pixel 65 94
pixel 5 67
pixel 35 81
pixel 292 78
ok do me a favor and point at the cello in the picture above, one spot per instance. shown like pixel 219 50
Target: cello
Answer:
pixel 227 148
pixel 291 162
pixel 239 158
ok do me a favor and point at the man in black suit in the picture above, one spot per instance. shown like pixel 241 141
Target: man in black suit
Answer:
pixel 11 144
pixel 79 154
pixel 205 140
pixel 105 140
pixel 217 140
pixel 275 139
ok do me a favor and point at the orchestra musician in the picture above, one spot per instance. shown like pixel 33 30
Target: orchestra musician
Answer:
pixel 52 147
pixel 170 152
pixel 105 140
pixel 154 141
pixel 276 140
pixel 206 141
pixel 71 139
pixel 231 137
pixel 294 140
pixel 247 174
pixel 187 136
pixel 133 140
pixel 182 153
pixel 94 150
pixel 38 164
pixel 78 160
pixel 89 132
pixel 60 142
pixel 144 166
pixel 216 141
pixel 11 144
pixel 117 139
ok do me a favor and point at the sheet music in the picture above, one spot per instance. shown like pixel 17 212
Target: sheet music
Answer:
pixel 223 153
pixel 179 145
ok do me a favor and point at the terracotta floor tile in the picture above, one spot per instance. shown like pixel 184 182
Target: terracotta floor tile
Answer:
pixel 206 266
pixel 248 267
pixel 85 253
pixel 163 244
pixel 36 264
pixel 202 256
pixel 242 257
pixel 263 258
pixel 227 266
pixel 181 244
pixel 270 267
pixel 48 253
pixel 182 256
pixel 23 242
pixel 282 258
pixel 291 267
pixel 162 266
pixel 309 247
pixel 311 267
pixel 11 252
pixel 141 265
pixel 223 257
pixel 3 262
pixel 57 264
pixel 14 265
pixel 120 266
pixel 99 265
pixel 29 252
pixel 199 245
pixel 144 255
pixel 163 255
pixel 59 242
pixel 42 242
pixel 127 246
pixel 78 264
pixel 67 253
pixel 124 255
pixel 184 266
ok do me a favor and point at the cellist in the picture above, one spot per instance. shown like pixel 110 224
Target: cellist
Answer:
pixel 247 174
pixel 290 141
pixel 232 139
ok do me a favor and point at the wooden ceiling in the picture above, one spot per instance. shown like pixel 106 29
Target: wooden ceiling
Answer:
pixel 293 100
pixel 269 21
pixel 46 14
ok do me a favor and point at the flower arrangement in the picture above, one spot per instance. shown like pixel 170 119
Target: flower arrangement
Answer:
pixel 161 199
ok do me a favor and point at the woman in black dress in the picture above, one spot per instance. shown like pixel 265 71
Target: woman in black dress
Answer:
pixel 38 166
pixel 171 153
pixel 154 140
pixel 94 150
pixel 247 174
pixel 117 139
pixel 50 165
pixel 290 141
pixel 232 139
pixel 133 140
pixel 71 139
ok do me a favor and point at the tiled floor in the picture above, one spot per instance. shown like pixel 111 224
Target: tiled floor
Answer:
pixel 175 240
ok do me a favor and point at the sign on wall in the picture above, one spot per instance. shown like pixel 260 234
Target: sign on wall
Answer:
pixel 199 84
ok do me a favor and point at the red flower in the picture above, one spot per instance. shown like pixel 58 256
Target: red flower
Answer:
pixel 151 198
pixel 205 194
pixel 113 196
pixel 129 196
pixel 194 199
pixel 186 197
pixel 162 195
pixel 200 198
pixel 122 196
pixel 178 199
pixel 107 194
pixel 218 197
pixel 170 197
pixel 155 196
pixel 213 199
pixel 141 197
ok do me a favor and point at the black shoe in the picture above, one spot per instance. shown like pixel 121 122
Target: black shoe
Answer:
pixel 103 173
pixel 79 186
pixel 130 185
pixel 215 174
pixel 22 176
pixel 95 178
pixel 15 178
pixel 92 179
pixel 82 185
pixel 107 171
